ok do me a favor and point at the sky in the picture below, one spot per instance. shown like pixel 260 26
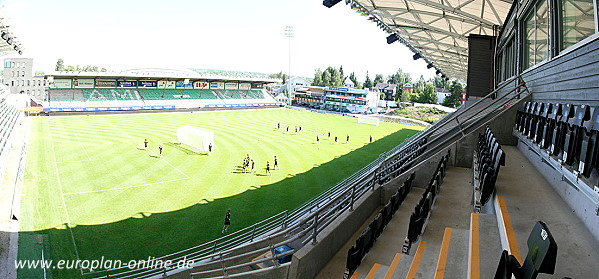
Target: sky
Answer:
pixel 235 35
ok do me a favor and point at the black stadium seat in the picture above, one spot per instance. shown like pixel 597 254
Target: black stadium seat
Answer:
pixel 541 257
pixel 542 127
pixel 573 138
pixel 588 150
pixel 541 118
pixel 559 132
pixel 552 119
pixel 532 125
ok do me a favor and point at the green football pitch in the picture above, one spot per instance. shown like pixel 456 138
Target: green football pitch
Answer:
pixel 91 190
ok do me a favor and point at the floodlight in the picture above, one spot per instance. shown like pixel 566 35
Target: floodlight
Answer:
pixel 429 66
pixel 437 72
pixel 392 38
pixel 330 3
pixel 416 56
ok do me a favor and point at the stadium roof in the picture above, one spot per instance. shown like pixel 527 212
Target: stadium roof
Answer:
pixel 156 73
pixel 8 42
pixel 436 30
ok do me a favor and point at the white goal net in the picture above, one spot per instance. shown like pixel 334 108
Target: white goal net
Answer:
pixel 195 137
pixel 369 120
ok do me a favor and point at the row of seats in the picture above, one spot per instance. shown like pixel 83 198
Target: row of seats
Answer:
pixel 400 163
pixel 423 208
pixel 8 118
pixel 568 132
pixel 363 244
pixel 487 160
pixel 111 95
pixel 106 94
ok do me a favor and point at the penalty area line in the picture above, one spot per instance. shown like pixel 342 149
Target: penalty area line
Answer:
pixel 126 187
pixel 161 158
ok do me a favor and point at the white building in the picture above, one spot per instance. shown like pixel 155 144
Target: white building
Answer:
pixel 343 99
pixel 442 93
pixel 20 78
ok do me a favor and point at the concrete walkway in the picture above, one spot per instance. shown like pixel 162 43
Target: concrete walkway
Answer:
pixel 530 198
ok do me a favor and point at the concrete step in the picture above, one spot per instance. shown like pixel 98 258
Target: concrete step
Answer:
pixel 457 255
pixel 490 245
pixel 391 240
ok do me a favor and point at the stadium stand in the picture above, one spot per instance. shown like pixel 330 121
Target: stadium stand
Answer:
pixel 487 159
pixel 376 227
pixel 422 211
pixel 59 99
pixel 571 130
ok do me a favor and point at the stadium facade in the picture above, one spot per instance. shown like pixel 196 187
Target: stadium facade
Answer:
pixel 152 90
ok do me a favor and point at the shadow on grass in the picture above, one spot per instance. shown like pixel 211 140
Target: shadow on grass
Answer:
pixel 186 150
pixel 144 235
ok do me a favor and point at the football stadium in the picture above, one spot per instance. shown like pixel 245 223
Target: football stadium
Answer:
pixel 160 173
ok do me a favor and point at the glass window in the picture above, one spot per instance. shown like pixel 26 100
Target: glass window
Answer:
pixel 536 35
pixel 577 22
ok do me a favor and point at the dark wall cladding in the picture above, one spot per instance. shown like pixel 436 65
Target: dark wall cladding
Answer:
pixel 571 78
pixel 480 65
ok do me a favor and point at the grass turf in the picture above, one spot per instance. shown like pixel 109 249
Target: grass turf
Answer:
pixel 124 202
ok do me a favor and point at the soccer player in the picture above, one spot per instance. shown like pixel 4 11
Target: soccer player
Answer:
pixel 267 168
pixel 370 139
pixel 146 144
pixel 253 166
pixel 347 139
pixel 160 149
pixel 335 138
pixel 317 139
pixel 296 129
pixel 209 148
pixel 279 125
pixel 287 128
pixel 300 128
pixel 276 166
pixel 227 221
pixel 329 134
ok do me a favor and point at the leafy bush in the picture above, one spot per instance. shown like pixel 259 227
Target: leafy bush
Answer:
pixel 425 114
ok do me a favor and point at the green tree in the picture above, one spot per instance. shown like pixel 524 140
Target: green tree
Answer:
pixel 60 65
pixel 354 80
pixel 456 90
pixel 428 95
pixel 342 74
pixel 326 78
pixel 280 75
pixel 367 82
pixel 378 79
pixel 336 79
pixel 317 78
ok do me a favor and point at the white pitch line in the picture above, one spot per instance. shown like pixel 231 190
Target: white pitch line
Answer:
pixel 84 149
pixel 78 161
pixel 186 176
pixel 126 187
pixel 64 204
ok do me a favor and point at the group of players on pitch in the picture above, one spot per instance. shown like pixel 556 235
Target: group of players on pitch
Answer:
pixel 248 165
pixel 317 136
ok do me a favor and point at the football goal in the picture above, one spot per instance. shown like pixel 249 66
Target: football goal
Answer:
pixel 195 137
pixel 369 120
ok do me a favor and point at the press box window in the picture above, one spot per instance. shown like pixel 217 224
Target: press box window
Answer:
pixel 536 35
pixel 577 21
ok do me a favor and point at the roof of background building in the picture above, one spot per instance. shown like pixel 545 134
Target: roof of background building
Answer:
pixel 437 30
